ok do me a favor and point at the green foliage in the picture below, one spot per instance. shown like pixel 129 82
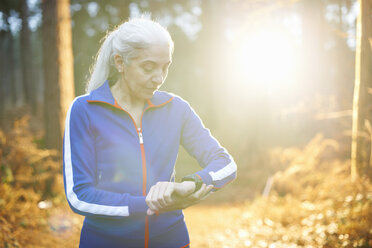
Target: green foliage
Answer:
pixel 6 174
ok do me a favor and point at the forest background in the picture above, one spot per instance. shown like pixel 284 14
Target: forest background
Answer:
pixel 272 79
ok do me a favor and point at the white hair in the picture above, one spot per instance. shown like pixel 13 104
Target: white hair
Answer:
pixel 126 40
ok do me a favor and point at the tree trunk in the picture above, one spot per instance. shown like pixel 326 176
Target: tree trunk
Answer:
pixel 8 66
pixel 26 61
pixel 362 103
pixel 208 58
pixel 58 68
pixel 313 36
pixel 3 73
pixel 11 69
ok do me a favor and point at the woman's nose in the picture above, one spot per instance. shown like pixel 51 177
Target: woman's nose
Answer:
pixel 158 78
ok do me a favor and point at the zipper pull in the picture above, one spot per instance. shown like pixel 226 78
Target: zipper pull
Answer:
pixel 140 137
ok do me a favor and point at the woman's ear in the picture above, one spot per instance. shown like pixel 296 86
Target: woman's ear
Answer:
pixel 119 63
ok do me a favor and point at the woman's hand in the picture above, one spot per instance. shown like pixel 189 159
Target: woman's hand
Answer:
pixel 160 195
pixel 168 196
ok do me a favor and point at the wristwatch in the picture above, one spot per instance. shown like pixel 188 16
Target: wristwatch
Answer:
pixel 194 178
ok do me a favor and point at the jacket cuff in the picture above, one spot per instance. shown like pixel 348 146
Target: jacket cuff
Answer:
pixel 137 205
pixel 207 179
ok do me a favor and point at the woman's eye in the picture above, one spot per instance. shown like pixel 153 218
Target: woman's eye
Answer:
pixel 148 70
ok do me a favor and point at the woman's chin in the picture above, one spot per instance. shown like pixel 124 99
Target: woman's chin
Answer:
pixel 148 95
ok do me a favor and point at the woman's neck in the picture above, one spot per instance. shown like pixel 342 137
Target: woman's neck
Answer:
pixel 124 97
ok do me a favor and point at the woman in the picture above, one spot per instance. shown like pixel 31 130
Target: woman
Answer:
pixel 121 143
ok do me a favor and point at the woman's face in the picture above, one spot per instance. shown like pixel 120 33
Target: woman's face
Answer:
pixel 147 72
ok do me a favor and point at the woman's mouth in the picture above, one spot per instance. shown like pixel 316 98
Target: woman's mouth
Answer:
pixel 151 89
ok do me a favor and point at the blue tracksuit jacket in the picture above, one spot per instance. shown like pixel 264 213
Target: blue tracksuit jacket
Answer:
pixel 110 164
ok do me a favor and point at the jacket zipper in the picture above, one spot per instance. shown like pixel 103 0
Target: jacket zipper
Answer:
pixel 144 181
pixel 144 173
pixel 140 136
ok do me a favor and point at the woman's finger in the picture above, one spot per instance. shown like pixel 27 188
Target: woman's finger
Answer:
pixel 160 197
pixel 208 189
pixel 200 192
pixel 150 211
pixel 182 204
pixel 149 199
pixel 155 197
pixel 207 192
pixel 168 193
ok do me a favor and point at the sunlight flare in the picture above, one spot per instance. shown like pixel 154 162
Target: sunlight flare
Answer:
pixel 267 57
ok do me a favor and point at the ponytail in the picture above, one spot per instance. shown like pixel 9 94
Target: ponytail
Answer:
pixel 104 61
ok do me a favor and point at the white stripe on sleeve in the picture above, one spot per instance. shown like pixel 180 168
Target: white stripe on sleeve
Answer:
pixel 71 196
pixel 224 172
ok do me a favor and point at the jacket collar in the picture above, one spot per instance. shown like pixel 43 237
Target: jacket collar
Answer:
pixel 103 94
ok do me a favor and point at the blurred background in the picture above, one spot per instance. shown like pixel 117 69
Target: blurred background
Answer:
pixel 272 79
